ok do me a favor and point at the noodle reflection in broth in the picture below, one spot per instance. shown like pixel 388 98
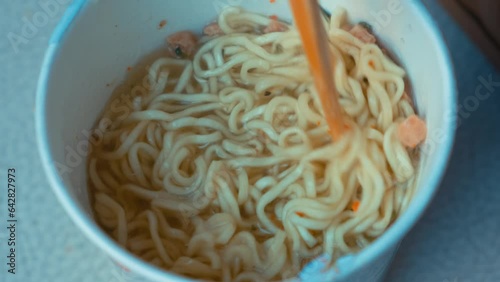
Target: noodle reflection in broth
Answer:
pixel 226 171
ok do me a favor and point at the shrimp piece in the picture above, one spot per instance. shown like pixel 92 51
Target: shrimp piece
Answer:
pixel 182 44
pixel 275 26
pixel 412 131
pixel 213 29
pixel 361 33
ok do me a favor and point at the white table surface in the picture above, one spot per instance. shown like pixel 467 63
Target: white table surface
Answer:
pixel 457 240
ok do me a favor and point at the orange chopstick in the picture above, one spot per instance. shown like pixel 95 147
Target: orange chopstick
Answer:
pixel 308 20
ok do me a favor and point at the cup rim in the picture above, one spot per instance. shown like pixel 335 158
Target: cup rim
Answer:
pixel 390 238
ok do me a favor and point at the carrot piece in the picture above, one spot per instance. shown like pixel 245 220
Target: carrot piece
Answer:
pixel 412 131
pixel 355 206
pixel 162 24
pixel 301 214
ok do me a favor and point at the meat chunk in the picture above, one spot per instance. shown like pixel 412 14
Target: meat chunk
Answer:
pixel 182 44
pixel 275 26
pixel 361 33
pixel 213 29
pixel 412 131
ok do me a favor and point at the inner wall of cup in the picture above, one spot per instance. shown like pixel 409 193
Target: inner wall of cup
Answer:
pixel 104 42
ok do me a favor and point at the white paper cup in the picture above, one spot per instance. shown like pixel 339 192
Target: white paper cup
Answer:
pixel 96 41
